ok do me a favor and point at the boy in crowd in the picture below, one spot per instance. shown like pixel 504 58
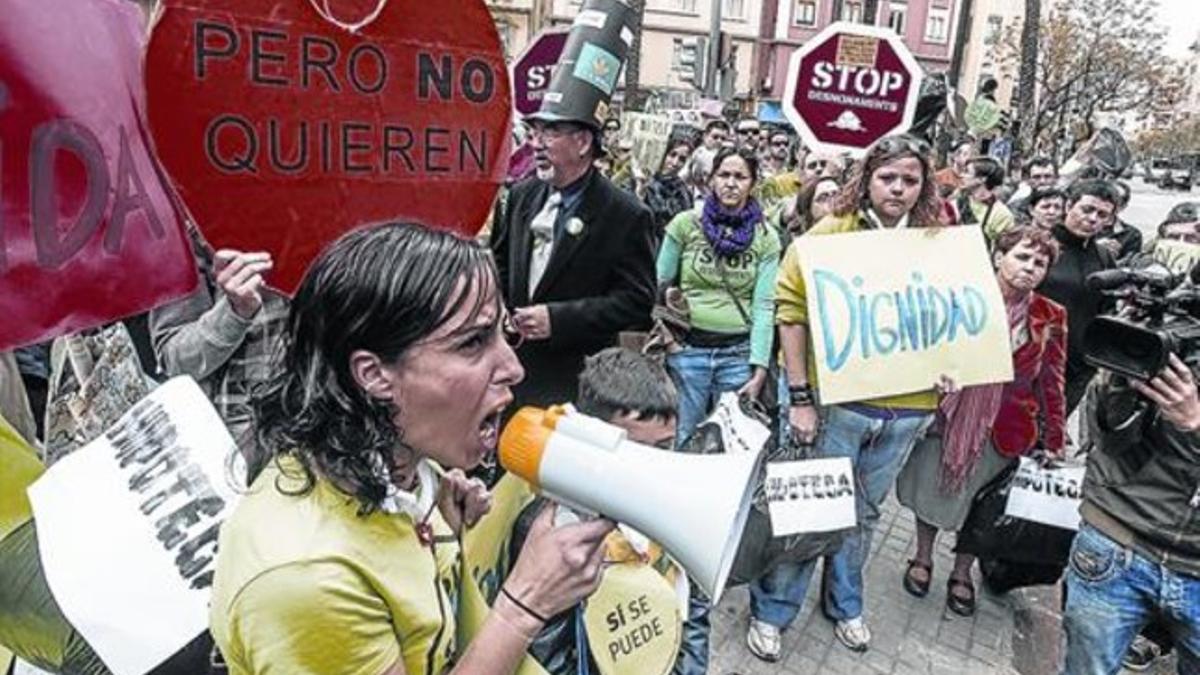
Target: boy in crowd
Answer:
pixel 634 392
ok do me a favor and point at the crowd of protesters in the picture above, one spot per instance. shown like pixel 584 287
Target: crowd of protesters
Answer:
pixel 361 402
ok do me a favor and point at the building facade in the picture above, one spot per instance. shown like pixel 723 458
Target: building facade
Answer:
pixel 518 21
pixel 984 54
pixel 665 27
pixel 928 28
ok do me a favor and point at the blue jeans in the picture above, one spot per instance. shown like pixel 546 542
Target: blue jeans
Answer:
pixel 693 645
pixel 701 375
pixel 878 448
pixel 1112 592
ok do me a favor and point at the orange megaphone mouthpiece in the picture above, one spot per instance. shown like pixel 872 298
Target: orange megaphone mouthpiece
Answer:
pixel 523 441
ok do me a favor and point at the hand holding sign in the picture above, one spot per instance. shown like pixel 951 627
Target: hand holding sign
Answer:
pixel 240 276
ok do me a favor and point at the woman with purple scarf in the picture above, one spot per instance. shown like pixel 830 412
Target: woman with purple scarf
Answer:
pixel 723 256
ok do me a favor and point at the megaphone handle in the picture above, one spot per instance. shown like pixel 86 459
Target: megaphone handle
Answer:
pixel 567 513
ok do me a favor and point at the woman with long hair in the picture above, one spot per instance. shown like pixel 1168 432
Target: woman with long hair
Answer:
pixel 723 256
pixel 814 201
pixel 982 429
pixel 667 194
pixel 345 555
pixel 891 187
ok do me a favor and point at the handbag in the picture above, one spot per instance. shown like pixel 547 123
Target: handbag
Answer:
pixel 1017 552
pixel 759 551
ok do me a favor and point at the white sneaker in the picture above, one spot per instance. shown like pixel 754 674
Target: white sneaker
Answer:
pixel 853 633
pixel 763 640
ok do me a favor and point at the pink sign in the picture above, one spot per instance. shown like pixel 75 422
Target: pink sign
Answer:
pixel 531 73
pixel 850 86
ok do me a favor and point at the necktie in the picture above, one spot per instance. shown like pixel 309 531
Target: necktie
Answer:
pixel 542 229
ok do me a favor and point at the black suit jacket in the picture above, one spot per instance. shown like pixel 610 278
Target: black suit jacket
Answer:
pixel 597 283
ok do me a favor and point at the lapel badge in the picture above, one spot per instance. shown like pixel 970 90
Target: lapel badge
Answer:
pixel 574 227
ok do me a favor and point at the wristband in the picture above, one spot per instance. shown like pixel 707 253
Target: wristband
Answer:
pixel 801 395
pixel 525 608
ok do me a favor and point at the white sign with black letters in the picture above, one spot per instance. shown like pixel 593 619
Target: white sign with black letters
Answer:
pixel 127 527
pixel 811 495
pixel 740 432
pixel 1047 496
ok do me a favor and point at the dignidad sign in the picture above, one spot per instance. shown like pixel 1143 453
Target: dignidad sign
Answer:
pixel 286 124
pixel 930 307
pixel 849 86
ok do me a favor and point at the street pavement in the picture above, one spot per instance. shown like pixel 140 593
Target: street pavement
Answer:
pixel 1016 633
pixel 1149 205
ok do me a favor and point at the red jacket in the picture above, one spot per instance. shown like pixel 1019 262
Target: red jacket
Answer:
pixel 1035 396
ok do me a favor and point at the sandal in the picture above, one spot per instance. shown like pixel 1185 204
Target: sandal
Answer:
pixel 962 606
pixel 918 588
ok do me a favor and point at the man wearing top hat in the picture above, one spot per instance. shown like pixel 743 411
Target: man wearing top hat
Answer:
pixel 575 254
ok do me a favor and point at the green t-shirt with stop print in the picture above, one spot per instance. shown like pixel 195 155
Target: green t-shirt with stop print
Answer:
pixel 688 260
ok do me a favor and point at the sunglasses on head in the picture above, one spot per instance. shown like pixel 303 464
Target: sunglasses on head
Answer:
pixel 890 144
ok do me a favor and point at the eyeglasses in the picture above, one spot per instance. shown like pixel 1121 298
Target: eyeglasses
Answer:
pixel 779 144
pixel 512 335
pixel 816 164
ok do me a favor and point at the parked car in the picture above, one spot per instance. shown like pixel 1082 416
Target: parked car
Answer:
pixel 1155 169
pixel 1177 176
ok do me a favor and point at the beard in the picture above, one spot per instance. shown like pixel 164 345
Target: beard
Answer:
pixel 545 175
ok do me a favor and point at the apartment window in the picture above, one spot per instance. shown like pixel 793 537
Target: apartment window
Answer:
pixel 995 24
pixel 852 11
pixel 735 9
pixel 677 55
pixel 686 6
pixel 898 18
pixel 937 27
pixel 806 13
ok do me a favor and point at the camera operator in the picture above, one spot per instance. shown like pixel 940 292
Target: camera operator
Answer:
pixel 1137 555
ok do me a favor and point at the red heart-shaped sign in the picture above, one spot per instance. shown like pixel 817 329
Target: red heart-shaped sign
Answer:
pixel 286 123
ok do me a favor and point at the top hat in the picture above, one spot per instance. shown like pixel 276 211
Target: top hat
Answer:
pixel 591 63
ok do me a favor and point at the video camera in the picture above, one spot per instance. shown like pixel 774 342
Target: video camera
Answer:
pixel 1157 313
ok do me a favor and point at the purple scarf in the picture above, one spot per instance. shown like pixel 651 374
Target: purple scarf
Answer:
pixel 729 233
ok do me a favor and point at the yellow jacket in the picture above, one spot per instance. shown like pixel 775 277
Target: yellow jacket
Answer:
pixel 791 307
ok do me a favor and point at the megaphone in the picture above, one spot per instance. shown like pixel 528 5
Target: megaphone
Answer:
pixel 695 506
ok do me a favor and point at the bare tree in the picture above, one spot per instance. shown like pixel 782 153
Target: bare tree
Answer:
pixel 1027 84
pixel 1093 57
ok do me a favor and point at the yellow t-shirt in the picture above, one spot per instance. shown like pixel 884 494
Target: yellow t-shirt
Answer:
pixel 791 307
pixel 306 585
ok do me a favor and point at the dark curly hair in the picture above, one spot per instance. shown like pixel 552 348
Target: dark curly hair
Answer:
pixel 382 289
pixel 856 194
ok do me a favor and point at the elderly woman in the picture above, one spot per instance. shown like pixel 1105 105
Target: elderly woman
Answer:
pixel 723 256
pixel 344 557
pixel 982 429
pixel 891 187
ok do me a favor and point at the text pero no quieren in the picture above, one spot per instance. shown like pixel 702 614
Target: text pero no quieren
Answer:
pixel 371 139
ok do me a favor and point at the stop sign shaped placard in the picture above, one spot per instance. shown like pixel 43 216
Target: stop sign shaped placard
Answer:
pixel 850 86
pixel 286 123
pixel 532 72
